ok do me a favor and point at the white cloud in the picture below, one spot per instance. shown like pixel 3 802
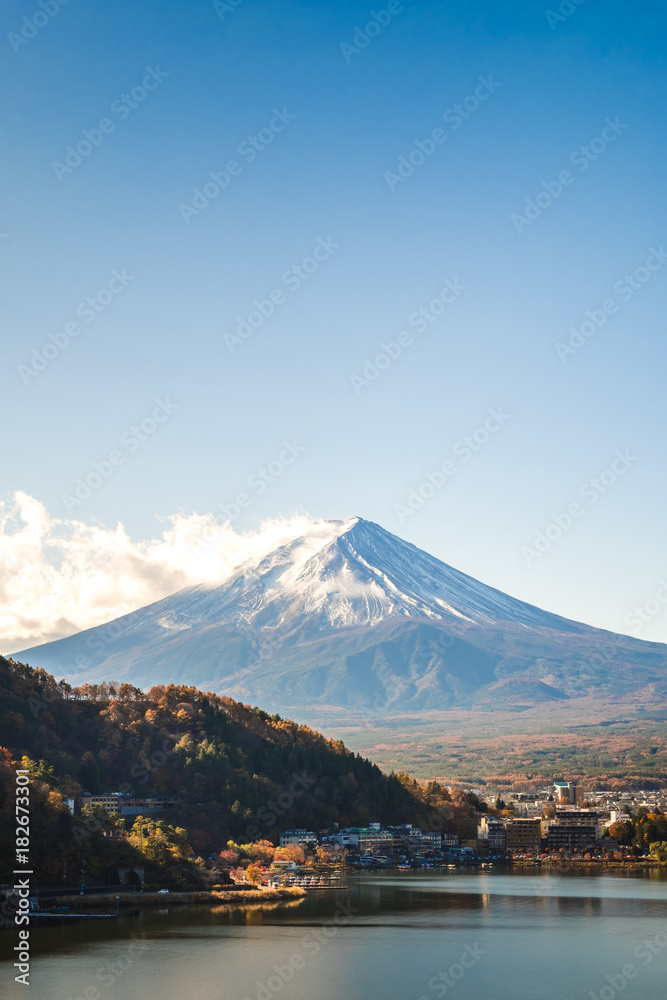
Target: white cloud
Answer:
pixel 60 576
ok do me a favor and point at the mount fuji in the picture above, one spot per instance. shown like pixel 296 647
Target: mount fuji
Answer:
pixel 351 619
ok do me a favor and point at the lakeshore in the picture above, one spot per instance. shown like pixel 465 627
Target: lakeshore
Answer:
pixel 598 863
pixel 111 903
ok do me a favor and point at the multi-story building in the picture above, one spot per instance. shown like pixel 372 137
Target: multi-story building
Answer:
pixel 118 804
pixel 363 839
pixel 110 802
pixel 529 809
pixel 306 838
pixel 374 840
pixel 419 842
pixel 391 840
pixel 567 791
pixel 523 834
pixel 572 829
pixel 579 817
pixel 571 837
pixel 492 829
pixel 342 838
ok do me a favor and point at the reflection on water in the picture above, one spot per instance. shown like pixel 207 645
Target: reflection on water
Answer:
pixel 250 910
pixel 467 935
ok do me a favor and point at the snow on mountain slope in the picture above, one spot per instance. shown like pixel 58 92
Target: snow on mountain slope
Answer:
pixel 342 574
pixel 344 614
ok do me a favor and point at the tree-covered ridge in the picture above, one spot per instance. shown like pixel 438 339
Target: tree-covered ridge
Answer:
pixel 197 746
pixel 234 771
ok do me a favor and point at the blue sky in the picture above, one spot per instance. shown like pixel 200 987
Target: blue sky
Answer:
pixel 333 126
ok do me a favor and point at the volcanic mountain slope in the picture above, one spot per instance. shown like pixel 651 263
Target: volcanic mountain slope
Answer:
pixel 351 617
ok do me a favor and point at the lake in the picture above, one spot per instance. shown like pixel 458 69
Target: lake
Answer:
pixel 464 935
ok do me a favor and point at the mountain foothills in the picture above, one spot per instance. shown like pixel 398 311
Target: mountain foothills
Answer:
pixel 234 773
pixel 362 634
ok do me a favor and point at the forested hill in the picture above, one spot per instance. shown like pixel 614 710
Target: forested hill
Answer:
pixel 196 746
pixel 234 771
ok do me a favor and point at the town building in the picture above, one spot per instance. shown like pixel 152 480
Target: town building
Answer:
pixel 419 842
pixel 492 830
pixel 374 839
pixel 284 866
pixel 567 791
pixel 449 840
pixel 578 817
pixel 571 837
pixel 118 804
pixel 530 810
pixel 305 838
pixel 523 834
pixel 572 829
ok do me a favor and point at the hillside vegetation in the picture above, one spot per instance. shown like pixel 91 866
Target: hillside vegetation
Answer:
pixel 235 773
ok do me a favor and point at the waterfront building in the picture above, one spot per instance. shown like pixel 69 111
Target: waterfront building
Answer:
pixel 523 834
pixel 571 837
pixel 492 830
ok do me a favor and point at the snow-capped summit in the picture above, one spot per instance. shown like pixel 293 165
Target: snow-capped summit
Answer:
pixel 343 574
pixel 347 613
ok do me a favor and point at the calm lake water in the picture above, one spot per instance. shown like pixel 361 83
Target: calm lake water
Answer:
pixel 464 935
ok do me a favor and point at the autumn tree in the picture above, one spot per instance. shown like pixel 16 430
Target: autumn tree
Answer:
pixel 228 858
pixel 254 874
pixel 290 852
pixel 262 851
pixel 159 842
pixel 621 831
